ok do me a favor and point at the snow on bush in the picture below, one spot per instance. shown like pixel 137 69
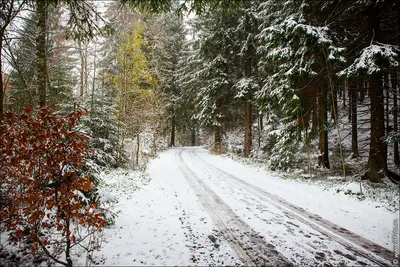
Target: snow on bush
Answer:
pixel 372 60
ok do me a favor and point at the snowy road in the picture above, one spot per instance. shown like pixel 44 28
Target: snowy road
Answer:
pixel 201 209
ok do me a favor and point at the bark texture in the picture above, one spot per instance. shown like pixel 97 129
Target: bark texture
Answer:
pixel 323 132
pixel 247 129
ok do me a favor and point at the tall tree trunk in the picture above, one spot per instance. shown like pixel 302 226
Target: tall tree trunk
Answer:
pixel 67 222
pixel 377 154
pixel 354 131
pixel 154 147
pixel 218 138
pixel 314 126
pixel 349 92
pixel 260 128
pixel 247 62
pixel 218 130
pixel 378 150
pixel 193 136
pixel 247 129
pixel 155 136
pixel 86 73
pixel 363 90
pixel 173 122
pixel 395 117
pixel 137 149
pixel 82 78
pixel 118 148
pixel 395 80
pixel 2 89
pixel 334 111
pixel 323 132
pixel 41 64
pixel 386 88
pixel 344 93
pixel 93 86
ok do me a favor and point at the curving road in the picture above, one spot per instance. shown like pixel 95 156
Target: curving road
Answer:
pixel 264 229
pixel 205 210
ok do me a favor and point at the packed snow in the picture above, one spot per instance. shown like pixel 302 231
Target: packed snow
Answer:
pixel 170 216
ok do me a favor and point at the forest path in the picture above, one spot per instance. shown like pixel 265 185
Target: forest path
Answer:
pixel 202 209
pixel 326 240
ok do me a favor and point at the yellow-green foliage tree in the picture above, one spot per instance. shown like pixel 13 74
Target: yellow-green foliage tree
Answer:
pixel 136 99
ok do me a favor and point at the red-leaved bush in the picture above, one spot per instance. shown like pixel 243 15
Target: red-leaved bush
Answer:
pixel 41 157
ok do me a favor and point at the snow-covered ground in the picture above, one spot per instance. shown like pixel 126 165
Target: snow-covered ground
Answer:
pixel 203 209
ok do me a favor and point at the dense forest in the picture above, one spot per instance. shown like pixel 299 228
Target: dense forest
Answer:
pixel 303 85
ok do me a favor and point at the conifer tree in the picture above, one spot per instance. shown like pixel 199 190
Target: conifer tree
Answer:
pixel 248 79
pixel 166 47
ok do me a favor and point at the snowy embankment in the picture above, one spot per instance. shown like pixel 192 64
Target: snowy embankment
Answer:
pixel 202 209
pixel 367 217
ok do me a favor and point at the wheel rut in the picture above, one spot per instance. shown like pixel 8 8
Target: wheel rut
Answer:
pixel 251 248
pixel 351 241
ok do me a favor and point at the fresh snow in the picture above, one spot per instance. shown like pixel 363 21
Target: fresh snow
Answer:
pixel 366 218
pixel 370 55
pixel 188 213
pixel 160 224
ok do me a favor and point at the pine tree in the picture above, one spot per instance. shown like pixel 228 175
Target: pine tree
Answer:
pixel 248 79
pixel 189 82
pixel 83 25
pixel 23 77
pixel 373 58
pixel 214 96
pixel 166 47
pixel 297 56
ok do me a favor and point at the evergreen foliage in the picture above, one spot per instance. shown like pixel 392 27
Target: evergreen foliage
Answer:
pixel 309 84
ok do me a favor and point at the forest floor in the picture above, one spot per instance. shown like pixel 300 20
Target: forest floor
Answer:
pixel 194 208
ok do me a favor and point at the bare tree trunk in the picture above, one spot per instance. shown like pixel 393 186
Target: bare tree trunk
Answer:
pixel 323 132
pixel 2 89
pixel 247 129
pixel 93 85
pixel 363 90
pixel 41 64
pixel 314 121
pixel 386 88
pixel 82 70
pixel 86 73
pixel 218 131
pixel 155 136
pixel 344 93
pixel 247 62
pixel 260 128
pixel 378 150
pixel 154 148
pixel 172 142
pixel 334 105
pixel 377 154
pixel 138 149
pixel 354 131
pixel 218 138
pixel 395 79
pixel 119 145
pixel 193 136
pixel 395 117
pixel 68 245
pixel 349 92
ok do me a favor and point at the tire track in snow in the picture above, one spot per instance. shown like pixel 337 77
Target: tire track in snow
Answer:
pixel 351 241
pixel 247 243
